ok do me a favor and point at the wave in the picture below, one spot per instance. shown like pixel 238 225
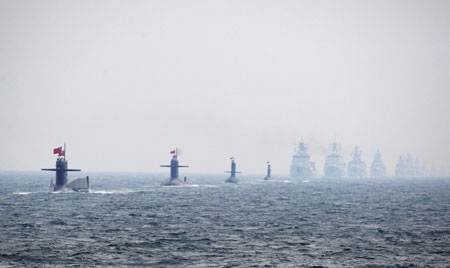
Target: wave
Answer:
pixel 209 186
pixel 280 181
pixel 113 191
pixel 23 193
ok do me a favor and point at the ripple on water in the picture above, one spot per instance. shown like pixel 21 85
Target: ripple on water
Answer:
pixel 297 224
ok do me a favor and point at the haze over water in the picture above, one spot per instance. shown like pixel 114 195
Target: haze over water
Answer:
pixel 124 83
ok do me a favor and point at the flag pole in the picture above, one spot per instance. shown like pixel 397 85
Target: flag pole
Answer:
pixel 64 150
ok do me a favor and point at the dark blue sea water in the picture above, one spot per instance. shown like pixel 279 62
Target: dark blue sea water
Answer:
pixel 128 220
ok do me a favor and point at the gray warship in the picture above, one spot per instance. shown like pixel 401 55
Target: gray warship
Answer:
pixel 400 168
pixel 433 170
pixel 357 168
pixel 405 167
pixel 301 166
pixel 377 168
pixel 269 171
pixel 61 183
pixel 334 166
pixel 232 178
pixel 174 180
pixel 421 169
pixel 408 167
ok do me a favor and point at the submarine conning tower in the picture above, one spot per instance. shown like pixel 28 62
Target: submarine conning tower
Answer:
pixel 174 168
pixel 233 168
pixel 269 170
pixel 174 165
pixel 233 172
pixel 61 172
pixel 61 168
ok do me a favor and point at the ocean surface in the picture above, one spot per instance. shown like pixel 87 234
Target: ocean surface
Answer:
pixel 128 220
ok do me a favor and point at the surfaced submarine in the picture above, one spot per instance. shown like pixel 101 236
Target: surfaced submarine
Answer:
pixel 232 178
pixel 61 182
pixel 269 171
pixel 174 180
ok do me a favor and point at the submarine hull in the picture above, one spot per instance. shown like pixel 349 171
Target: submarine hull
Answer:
pixel 75 185
pixel 173 182
pixel 231 180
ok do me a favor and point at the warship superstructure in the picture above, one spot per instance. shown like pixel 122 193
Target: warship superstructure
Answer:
pixel 301 166
pixel 433 170
pixel 269 171
pixel 405 167
pixel 400 168
pixel 357 167
pixel 232 178
pixel 409 167
pixel 61 182
pixel 174 165
pixel 377 168
pixel 420 168
pixel 334 162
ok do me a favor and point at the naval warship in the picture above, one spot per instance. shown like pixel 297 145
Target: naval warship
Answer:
pixel 269 171
pixel 409 165
pixel 405 167
pixel 400 168
pixel 301 166
pixel 433 170
pixel 356 167
pixel 232 178
pixel 334 162
pixel 377 168
pixel 61 182
pixel 174 180
pixel 420 168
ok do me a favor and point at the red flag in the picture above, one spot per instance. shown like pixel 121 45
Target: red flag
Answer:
pixel 57 151
pixel 173 152
pixel 62 153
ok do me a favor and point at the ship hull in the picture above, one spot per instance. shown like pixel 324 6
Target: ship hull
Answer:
pixel 231 180
pixel 377 171
pixel 334 172
pixel 301 168
pixel 301 172
pixel 357 170
pixel 173 182
pixel 334 166
pixel 72 185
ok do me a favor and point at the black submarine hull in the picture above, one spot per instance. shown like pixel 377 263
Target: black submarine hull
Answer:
pixel 72 185
pixel 174 182
pixel 231 180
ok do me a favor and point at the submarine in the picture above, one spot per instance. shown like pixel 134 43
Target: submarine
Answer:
pixel 269 171
pixel 61 183
pixel 174 180
pixel 232 178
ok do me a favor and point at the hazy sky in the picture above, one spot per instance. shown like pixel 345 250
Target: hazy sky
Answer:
pixel 124 82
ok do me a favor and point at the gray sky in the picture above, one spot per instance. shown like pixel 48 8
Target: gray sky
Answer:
pixel 124 82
